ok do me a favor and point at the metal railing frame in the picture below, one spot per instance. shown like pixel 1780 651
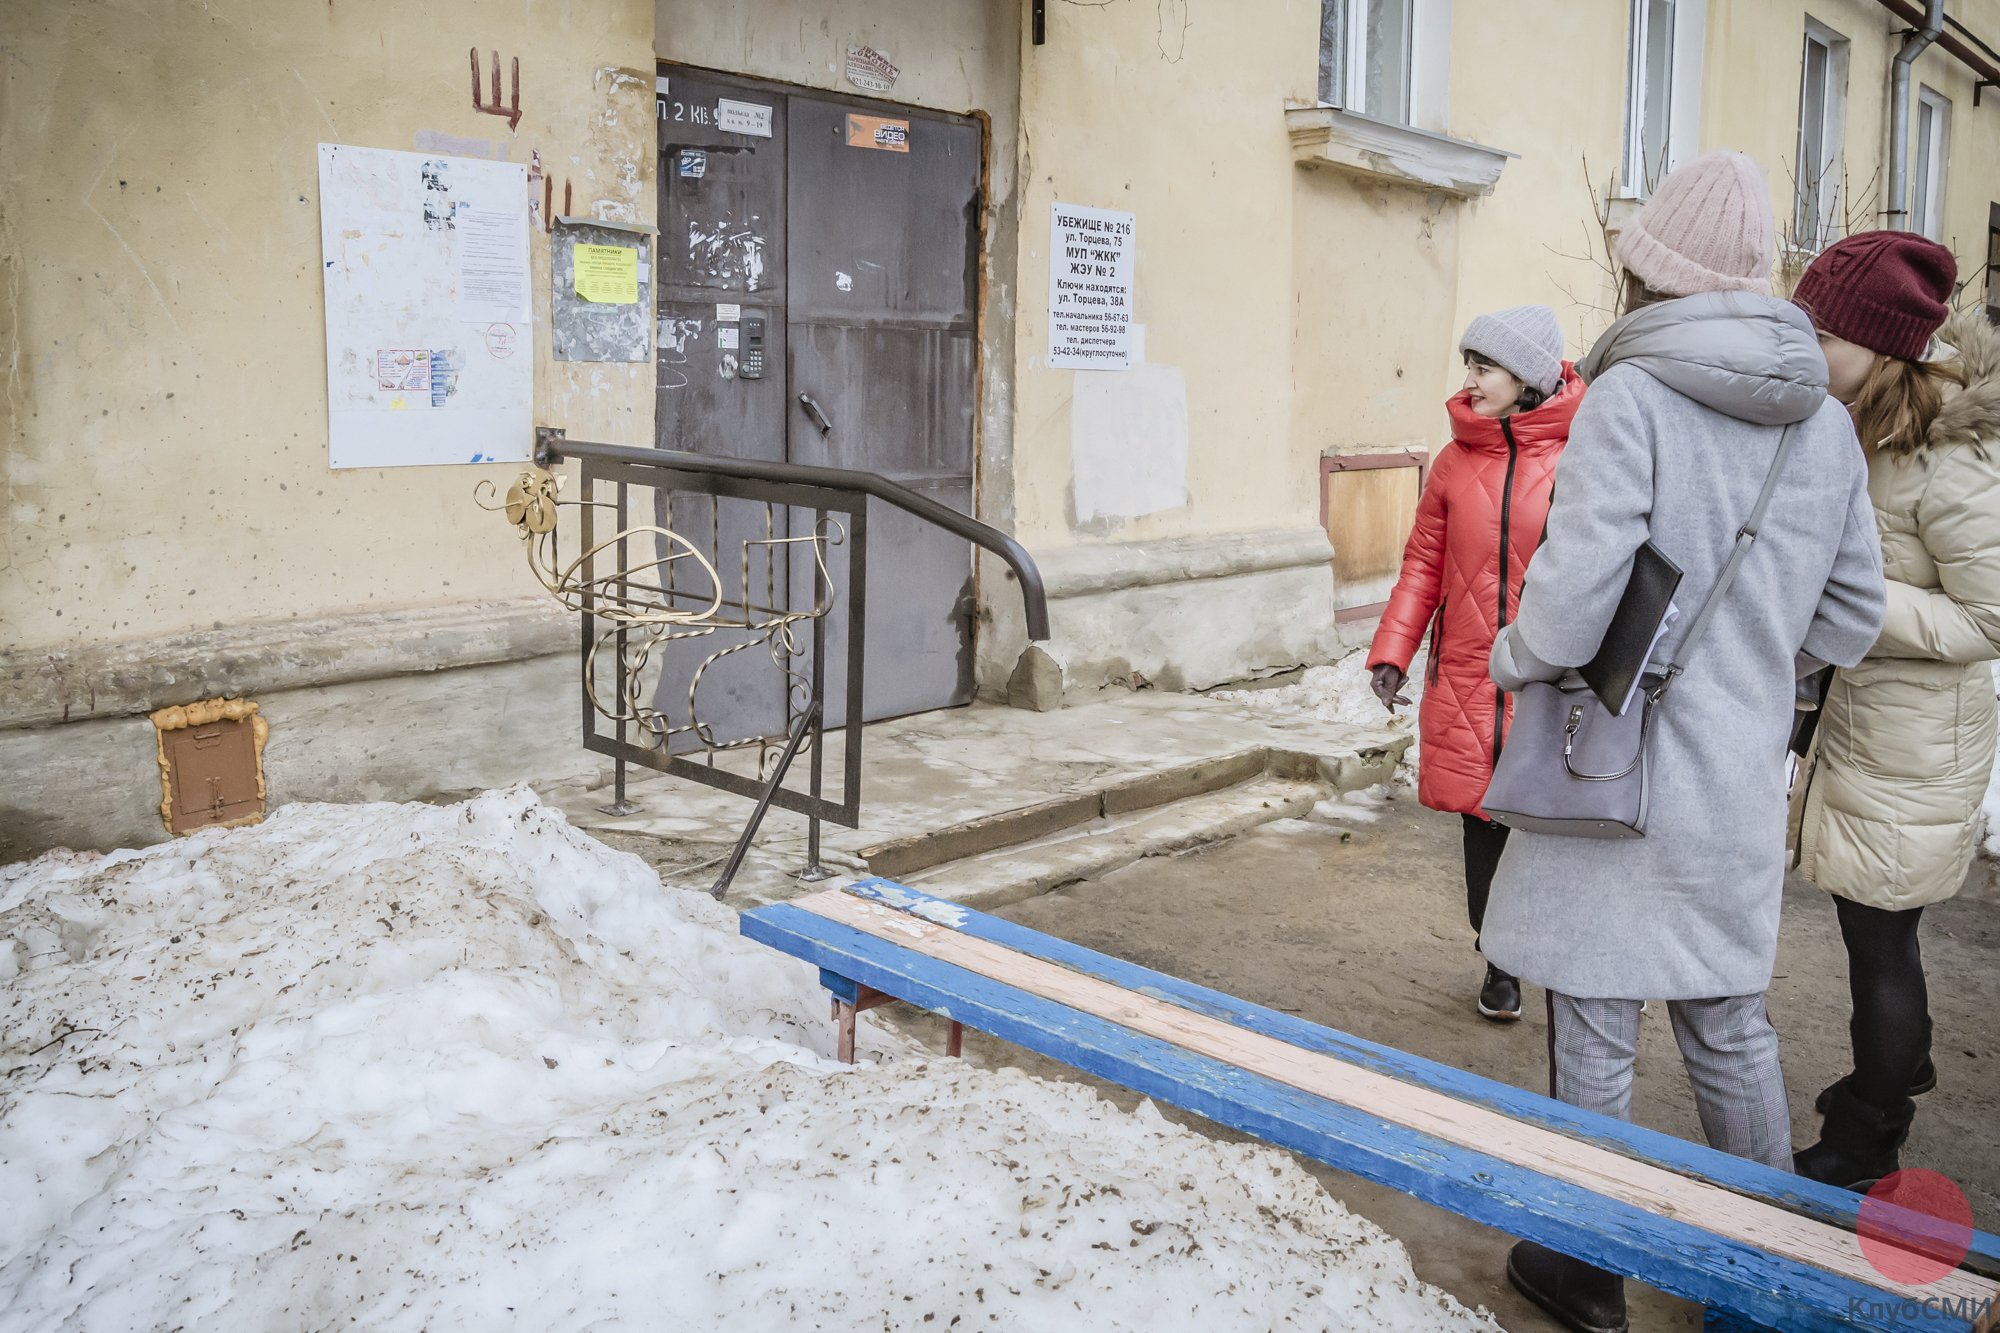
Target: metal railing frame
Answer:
pixel 822 490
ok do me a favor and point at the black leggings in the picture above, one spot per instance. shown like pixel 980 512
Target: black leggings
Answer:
pixel 1891 1026
pixel 1484 841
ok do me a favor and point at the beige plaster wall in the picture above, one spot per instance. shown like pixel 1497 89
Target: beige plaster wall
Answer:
pixel 162 336
pixel 1536 239
pixel 1972 181
pixel 1375 266
pixel 1750 97
pixel 1751 102
pixel 1175 112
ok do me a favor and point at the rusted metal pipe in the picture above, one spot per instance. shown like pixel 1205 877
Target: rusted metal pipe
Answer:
pixel 1975 55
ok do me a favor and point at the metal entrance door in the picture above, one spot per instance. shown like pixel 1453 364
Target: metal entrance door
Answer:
pixel 844 237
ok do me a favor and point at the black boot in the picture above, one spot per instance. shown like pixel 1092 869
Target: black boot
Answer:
pixel 1582 1298
pixel 1859 1144
pixel 1500 996
pixel 1921 1082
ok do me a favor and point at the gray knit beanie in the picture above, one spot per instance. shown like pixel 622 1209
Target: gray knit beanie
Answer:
pixel 1523 340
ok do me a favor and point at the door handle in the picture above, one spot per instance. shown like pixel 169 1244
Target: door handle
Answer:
pixel 813 411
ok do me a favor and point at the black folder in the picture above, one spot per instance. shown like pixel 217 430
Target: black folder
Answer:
pixel 1628 643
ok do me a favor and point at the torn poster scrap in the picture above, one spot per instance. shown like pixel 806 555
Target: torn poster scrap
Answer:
pixel 869 69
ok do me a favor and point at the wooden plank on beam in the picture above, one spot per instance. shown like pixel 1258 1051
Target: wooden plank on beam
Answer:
pixel 1673 1254
pixel 1612 1175
pixel 1829 1204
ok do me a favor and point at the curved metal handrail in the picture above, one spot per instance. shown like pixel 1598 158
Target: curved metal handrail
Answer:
pixel 552 446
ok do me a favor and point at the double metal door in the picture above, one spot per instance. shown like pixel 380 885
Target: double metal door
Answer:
pixel 818 299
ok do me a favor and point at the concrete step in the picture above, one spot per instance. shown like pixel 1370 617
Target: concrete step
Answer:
pixel 1096 846
pixel 900 858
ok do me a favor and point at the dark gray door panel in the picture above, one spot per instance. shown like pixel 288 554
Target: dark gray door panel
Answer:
pixel 862 262
pixel 881 235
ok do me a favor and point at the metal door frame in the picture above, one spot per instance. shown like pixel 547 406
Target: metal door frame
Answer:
pixel 668 69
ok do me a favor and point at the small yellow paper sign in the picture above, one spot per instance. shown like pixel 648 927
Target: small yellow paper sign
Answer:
pixel 608 274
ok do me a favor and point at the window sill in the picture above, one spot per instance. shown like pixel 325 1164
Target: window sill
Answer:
pixel 1619 210
pixel 1327 136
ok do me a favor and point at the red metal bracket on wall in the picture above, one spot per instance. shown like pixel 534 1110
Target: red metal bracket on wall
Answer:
pixel 511 113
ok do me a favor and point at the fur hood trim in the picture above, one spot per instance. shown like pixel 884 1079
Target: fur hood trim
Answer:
pixel 1971 415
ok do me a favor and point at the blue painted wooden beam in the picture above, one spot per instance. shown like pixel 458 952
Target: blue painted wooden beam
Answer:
pixel 1826 1203
pixel 1672 1255
pixel 844 989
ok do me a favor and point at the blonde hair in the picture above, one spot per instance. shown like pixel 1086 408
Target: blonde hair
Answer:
pixel 1635 293
pixel 1898 402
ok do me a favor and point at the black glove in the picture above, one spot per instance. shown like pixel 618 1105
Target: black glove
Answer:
pixel 1387 680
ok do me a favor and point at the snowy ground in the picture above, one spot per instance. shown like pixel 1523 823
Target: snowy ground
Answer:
pixel 405 1066
pixel 1341 693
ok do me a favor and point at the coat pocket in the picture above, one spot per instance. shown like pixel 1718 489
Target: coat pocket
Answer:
pixel 1437 643
pixel 1897 719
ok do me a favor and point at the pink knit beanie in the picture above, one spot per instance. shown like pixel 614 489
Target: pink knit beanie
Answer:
pixel 1707 228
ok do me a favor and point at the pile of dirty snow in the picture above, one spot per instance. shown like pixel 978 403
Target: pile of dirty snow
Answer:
pixel 404 1066
pixel 1342 693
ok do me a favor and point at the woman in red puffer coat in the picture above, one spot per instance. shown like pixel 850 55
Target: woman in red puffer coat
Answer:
pixel 1478 522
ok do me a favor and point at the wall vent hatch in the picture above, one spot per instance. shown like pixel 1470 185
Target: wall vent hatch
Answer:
pixel 211 764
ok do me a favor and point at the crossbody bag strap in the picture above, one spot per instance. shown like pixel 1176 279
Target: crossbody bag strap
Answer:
pixel 1745 537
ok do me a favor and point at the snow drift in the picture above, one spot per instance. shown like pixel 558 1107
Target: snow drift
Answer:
pixel 1342 693
pixel 405 1066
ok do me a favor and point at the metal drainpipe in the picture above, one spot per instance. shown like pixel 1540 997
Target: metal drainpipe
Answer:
pixel 1913 46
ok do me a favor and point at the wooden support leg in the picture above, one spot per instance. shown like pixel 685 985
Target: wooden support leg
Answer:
pixel 843 1014
pixel 954 1039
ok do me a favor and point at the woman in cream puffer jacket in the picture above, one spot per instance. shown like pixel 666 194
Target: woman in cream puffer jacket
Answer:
pixel 1887 810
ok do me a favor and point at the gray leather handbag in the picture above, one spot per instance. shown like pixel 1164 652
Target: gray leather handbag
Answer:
pixel 1573 767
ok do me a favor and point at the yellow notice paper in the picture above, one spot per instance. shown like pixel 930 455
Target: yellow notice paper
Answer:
pixel 607 273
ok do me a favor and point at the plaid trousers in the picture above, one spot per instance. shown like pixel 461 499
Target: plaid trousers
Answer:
pixel 1728 1045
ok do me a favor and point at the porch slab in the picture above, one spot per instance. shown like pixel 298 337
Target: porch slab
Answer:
pixel 960 783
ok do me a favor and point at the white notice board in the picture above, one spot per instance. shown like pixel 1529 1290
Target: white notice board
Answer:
pixel 1090 288
pixel 429 354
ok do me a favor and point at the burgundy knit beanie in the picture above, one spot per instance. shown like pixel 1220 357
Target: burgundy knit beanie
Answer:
pixel 1888 291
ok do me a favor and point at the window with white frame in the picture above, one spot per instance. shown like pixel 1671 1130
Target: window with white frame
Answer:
pixel 1662 92
pixel 1367 56
pixel 1649 106
pixel 1818 172
pixel 1933 152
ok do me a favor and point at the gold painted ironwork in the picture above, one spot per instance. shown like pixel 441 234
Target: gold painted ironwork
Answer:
pixel 646 605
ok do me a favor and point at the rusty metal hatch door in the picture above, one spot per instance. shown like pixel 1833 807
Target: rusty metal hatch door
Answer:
pixel 852 230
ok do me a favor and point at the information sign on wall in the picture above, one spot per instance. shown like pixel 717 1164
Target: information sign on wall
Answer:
pixel 1091 251
pixel 425 263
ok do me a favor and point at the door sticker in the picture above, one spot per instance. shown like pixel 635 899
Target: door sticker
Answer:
pixel 743 117
pixel 692 164
pixel 891 136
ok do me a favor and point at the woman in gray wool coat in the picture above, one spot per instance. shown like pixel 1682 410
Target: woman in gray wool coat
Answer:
pixel 1688 398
